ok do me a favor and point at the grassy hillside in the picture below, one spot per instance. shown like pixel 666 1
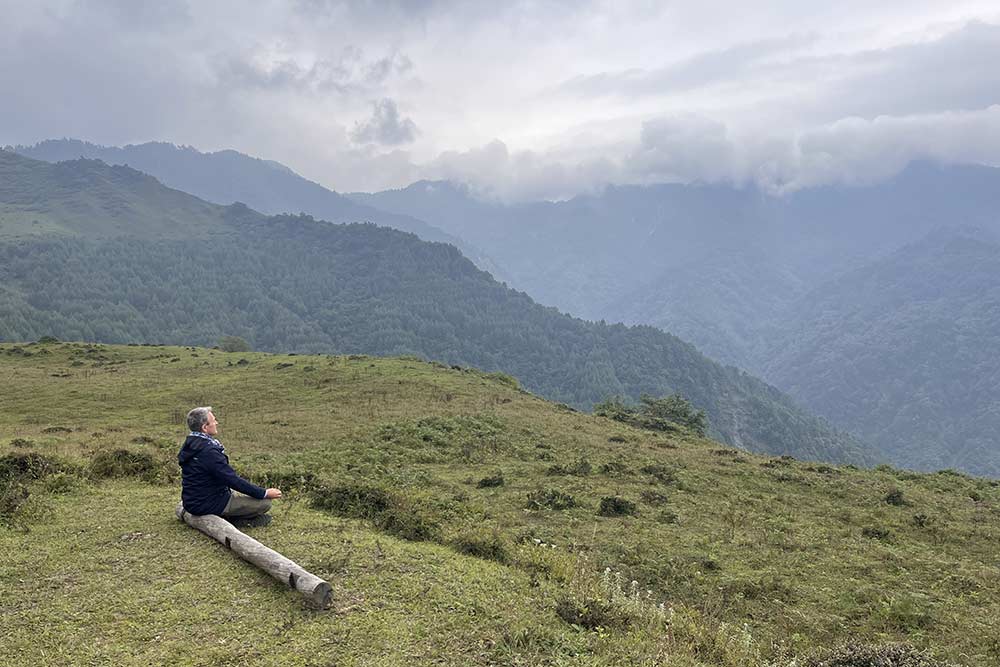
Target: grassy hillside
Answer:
pixel 460 522
pixel 122 269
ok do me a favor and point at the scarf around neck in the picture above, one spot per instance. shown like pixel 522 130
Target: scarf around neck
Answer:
pixel 201 434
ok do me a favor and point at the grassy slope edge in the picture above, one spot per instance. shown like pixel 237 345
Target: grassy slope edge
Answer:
pixel 755 558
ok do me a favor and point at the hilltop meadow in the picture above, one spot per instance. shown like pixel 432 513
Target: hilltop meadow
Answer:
pixel 461 521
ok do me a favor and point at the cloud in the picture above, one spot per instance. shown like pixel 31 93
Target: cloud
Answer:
pixel 493 171
pixel 683 148
pixel 142 16
pixel 349 73
pixel 703 69
pixel 955 72
pixel 690 148
pixel 548 98
pixel 385 126
pixel 857 151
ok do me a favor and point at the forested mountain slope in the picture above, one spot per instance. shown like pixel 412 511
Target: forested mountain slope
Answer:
pixel 716 262
pixel 907 351
pixel 759 281
pixel 225 177
pixel 582 254
pixel 295 284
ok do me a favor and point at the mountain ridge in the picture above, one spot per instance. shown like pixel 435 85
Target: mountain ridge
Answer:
pixel 228 176
pixel 294 283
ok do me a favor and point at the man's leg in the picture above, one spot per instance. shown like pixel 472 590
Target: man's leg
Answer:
pixel 242 506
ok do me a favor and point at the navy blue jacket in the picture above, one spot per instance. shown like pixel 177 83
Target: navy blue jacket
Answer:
pixel 206 476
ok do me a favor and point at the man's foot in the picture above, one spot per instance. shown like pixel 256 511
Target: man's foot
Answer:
pixel 258 521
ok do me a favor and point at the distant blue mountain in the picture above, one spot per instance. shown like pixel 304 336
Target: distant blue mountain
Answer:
pixel 905 350
pixel 732 269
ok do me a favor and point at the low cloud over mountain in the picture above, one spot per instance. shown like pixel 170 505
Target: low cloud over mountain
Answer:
pixel 519 100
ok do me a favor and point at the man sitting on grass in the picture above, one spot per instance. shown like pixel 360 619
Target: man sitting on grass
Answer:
pixel 209 485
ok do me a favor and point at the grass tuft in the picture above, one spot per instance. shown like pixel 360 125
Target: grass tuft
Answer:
pixel 616 506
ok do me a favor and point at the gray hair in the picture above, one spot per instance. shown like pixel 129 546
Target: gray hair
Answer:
pixel 198 417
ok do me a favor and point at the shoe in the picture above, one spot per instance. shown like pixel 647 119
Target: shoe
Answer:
pixel 258 521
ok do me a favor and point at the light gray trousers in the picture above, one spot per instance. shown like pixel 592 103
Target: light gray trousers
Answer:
pixel 242 506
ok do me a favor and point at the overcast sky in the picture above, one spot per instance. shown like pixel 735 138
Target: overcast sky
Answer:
pixel 521 100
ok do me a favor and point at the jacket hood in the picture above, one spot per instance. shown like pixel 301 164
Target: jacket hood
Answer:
pixel 193 446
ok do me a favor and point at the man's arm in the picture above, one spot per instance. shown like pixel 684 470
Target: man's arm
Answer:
pixel 221 469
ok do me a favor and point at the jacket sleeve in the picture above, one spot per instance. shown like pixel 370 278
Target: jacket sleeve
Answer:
pixel 220 468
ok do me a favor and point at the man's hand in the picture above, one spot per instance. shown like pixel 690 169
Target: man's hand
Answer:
pixel 273 493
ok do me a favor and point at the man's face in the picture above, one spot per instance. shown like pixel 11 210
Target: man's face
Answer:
pixel 211 427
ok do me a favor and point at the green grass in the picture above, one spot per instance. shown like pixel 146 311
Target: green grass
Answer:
pixel 98 570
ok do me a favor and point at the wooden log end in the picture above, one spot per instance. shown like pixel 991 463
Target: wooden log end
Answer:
pixel 322 595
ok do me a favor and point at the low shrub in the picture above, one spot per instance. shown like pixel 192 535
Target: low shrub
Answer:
pixel 922 521
pixel 354 500
pixel 12 498
pixel 607 602
pixel 409 523
pixel 895 497
pixel 494 480
pixel 668 414
pixel 616 506
pixel 667 517
pixel 504 379
pixel 903 613
pixel 26 467
pixel 550 499
pixel 117 463
pixel 615 469
pixel 61 482
pixel 663 474
pixel 579 468
pixel 708 563
pixel 17 471
pixel 389 511
pixel 481 544
pixel 592 614
pixel 872 655
pixel 22 443
pixel 654 498
pixel 875 532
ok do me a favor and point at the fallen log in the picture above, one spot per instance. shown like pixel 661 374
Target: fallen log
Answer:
pixel 252 551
